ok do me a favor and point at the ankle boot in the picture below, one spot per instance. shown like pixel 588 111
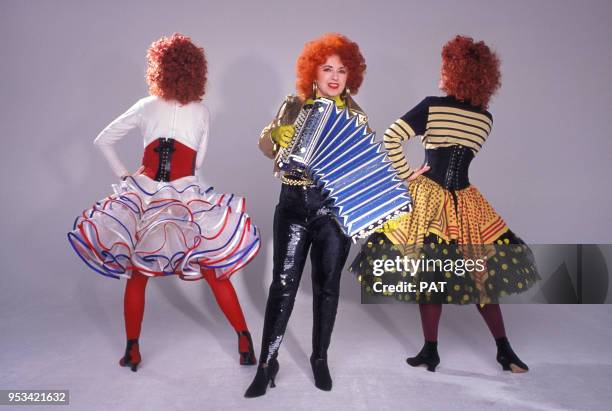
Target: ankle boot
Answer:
pixel 132 355
pixel 428 356
pixel 266 373
pixel 320 371
pixel 245 348
pixel 507 358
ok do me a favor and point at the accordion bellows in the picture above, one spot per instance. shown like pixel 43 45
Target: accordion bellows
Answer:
pixel 342 157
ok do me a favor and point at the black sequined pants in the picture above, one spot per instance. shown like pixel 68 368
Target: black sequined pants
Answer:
pixel 303 222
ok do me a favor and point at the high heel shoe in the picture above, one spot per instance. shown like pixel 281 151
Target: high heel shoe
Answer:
pixel 132 355
pixel 320 370
pixel 428 356
pixel 265 374
pixel 246 357
pixel 507 358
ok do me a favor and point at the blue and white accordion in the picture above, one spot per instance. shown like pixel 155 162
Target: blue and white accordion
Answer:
pixel 341 156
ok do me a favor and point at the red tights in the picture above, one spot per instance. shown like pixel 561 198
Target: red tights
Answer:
pixel 134 302
pixel 430 318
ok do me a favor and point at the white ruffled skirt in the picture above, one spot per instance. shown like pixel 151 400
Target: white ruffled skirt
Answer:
pixel 165 228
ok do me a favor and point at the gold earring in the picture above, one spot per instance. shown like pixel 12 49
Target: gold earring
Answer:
pixel 314 88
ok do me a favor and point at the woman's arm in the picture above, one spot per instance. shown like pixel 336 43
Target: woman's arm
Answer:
pixel 204 140
pixel 411 124
pixel 285 117
pixel 266 145
pixel 114 132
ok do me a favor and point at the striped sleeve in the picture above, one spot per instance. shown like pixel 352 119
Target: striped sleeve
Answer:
pixel 409 125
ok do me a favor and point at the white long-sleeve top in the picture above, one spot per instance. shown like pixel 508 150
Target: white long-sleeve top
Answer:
pixel 157 118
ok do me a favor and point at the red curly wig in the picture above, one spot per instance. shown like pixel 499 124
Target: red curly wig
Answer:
pixel 176 69
pixel 470 71
pixel 315 53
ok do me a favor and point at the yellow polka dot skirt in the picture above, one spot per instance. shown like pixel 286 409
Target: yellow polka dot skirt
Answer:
pixel 448 227
pixel 465 217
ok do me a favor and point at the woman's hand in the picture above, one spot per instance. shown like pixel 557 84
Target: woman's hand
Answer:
pixel 389 226
pixel 418 172
pixel 137 172
pixel 282 135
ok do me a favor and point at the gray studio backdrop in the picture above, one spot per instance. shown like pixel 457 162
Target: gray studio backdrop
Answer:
pixel 67 68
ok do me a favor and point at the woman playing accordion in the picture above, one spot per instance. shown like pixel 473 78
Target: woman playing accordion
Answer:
pixel 328 67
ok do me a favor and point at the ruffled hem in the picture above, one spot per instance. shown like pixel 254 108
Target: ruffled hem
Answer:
pixel 509 269
pixel 158 228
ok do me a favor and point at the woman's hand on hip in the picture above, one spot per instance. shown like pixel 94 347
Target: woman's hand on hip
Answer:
pixel 424 168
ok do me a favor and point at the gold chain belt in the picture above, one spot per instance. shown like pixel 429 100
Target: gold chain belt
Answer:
pixel 292 182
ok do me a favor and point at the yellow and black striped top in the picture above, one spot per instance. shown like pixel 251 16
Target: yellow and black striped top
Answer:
pixel 442 122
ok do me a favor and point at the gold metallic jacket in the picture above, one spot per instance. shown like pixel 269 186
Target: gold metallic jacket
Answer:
pixel 287 114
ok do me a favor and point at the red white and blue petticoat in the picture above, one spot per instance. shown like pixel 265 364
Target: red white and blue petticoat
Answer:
pixel 165 228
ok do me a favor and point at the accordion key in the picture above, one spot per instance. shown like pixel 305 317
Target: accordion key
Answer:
pixel 305 126
pixel 342 157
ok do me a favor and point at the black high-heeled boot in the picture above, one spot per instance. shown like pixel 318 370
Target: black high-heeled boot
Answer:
pixel 265 375
pixel 507 358
pixel 427 356
pixel 132 355
pixel 327 261
pixel 320 371
pixel 246 357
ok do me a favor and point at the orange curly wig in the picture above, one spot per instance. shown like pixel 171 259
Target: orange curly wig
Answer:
pixel 176 69
pixel 470 71
pixel 315 53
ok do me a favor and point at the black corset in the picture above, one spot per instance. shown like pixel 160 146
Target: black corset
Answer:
pixel 164 150
pixel 449 166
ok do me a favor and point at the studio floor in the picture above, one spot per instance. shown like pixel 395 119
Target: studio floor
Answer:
pixel 73 339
